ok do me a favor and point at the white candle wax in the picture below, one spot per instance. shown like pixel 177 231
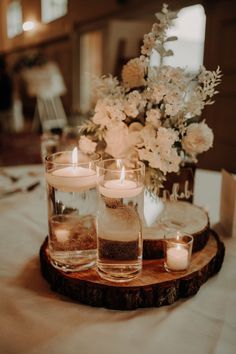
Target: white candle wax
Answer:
pixel 72 179
pixel 177 258
pixel 117 189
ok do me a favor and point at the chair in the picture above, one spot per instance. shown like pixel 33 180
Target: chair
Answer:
pixel 50 113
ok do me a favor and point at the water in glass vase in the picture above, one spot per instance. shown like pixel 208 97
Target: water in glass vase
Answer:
pixel 72 231
pixel 119 237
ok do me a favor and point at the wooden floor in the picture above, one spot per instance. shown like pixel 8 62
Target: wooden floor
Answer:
pixel 19 149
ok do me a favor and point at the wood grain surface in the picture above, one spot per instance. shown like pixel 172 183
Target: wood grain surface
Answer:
pixel 153 288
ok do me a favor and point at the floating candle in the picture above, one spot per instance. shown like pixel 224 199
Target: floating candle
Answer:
pixel 120 188
pixel 72 178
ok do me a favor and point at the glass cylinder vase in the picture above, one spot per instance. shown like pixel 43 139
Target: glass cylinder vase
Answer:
pixel 119 223
pixel 72 207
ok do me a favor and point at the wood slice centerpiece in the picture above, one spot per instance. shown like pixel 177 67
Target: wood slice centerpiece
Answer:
pixel 155 287
pixel 187 218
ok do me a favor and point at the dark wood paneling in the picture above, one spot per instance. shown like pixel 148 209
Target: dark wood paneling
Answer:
pixel 220 50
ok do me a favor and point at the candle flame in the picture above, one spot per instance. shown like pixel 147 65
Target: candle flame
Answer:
pixel 178 236
pixel 122 175
pixel 75 156
pixel 118 163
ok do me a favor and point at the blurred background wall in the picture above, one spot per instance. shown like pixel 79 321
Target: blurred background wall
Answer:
pixel 93 37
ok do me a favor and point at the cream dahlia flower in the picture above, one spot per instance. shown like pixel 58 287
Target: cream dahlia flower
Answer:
pixel 199 138
pixel 133 73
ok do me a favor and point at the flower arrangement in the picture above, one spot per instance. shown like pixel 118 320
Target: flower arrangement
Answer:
pixel 154 113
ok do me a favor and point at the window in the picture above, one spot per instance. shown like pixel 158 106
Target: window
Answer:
pixel 53 9
pixel 90 65
pixel 14 19
pixel 189 48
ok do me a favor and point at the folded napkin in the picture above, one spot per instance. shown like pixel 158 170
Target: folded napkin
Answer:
pixel 25 183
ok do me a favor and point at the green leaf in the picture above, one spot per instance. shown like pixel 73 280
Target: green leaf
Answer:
pixel 173 38
pixel 169 53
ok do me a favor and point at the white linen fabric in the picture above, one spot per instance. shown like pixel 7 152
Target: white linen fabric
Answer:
pixel 35 320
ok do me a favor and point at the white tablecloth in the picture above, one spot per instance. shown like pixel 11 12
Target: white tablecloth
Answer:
pixel 33 319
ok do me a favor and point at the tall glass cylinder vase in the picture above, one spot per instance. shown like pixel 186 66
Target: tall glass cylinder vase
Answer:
pixel 72 207
pixel 119 223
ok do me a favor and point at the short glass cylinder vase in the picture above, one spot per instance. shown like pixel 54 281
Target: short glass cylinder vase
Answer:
pixel 177 251
pixel 72 207
pixel 119 222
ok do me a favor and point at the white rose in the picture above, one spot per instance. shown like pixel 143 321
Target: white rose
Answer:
pixel 131 110
pixel 117 140
pixel 86 145
pixel 199 138
pixel 153 117
pixel 134 134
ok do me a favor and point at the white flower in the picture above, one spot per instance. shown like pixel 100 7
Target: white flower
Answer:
pixel 148 135
pixel 121 140
pixel 115 109
pixel 117 140
pixel 199 138
pixel 153 117
pixel 108 109
pixel 165 162
pixel 135 127
pixel 194 106
pixel 166 137
pixel 101 117
pixel 133 73
pixel 134 134
pixel 169 162
pixel 168 158
pixel 134 97
pixel 158 150
pixel 159 91
pixel 131 109
pixel 134 104
pixel 173 96
pixel 173 109
pixel 173 75
pixel 106 86
pixel 86 145
pixel 149 43
pixel 132 155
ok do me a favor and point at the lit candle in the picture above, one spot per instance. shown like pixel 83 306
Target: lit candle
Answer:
pixel 72 178
pixel 120 188
pixel 177 258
